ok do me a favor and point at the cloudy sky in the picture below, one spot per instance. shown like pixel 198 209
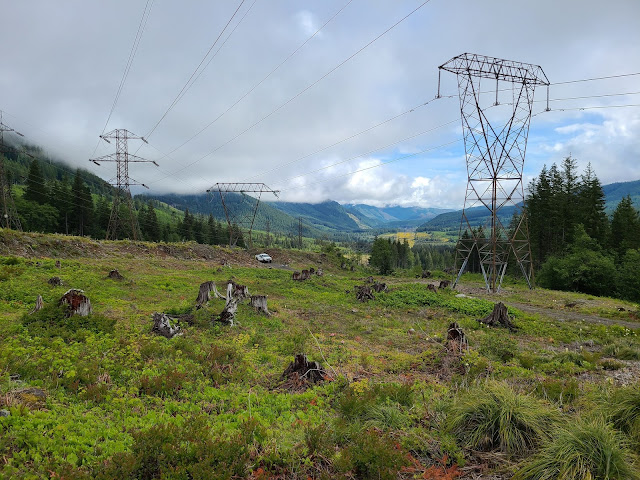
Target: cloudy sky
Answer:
pixel 264 106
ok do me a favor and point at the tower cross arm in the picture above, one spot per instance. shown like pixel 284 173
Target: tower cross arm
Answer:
pixel 496 68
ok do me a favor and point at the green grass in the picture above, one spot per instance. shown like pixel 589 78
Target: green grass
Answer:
pixel 113 387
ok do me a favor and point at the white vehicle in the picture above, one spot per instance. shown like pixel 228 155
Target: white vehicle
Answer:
pixel 263 257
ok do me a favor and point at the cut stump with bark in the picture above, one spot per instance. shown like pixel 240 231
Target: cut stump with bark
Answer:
pixel 228 314
pixel 444 284
pixel 77 303
pixel 499 318
pixel 204 294
pixel 55 281
pixel 259 302
pixel 162 325
pixel 115 275
pixel 379 287
pixel 319 272
pixel 456 339
pixel 301 371
pixel 432 287
pixel 363 293
pixel 58 264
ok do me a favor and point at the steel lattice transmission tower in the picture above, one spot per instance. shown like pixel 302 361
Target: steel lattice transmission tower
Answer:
pixel 123 182
pixel 495 158
pixel 8 213
pixel 235 216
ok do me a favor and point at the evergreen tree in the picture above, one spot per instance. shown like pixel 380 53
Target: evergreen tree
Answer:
pixel 625 227
pixel 591 203
pixel 381 256
pixel 82 207
pixel 149 223
pixel 36 190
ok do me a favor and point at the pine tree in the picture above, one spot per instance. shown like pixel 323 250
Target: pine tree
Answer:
pixel 82 206
pixel 592 207
pixel 381 255
pixel 625 227
pixel 36 190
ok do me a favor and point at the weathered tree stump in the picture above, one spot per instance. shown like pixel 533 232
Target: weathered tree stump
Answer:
pixel 55 281
pixel 499 317
pixel 319 272
pixel 115 275
pixel 305 275
pixel 369 280
pixel 295 276
pixel 312 270
pixel 444 284
pixel 58 264
pixel 456 339
pixel 379 287
pixel 162 325
pixel 237 291
pixel 363 293
pixel 204 294
pixel 39 304
pixel 228 314
pixel 301 368
pixel 432 287
pixel 259 302
pixel 77 302
pixel 426 274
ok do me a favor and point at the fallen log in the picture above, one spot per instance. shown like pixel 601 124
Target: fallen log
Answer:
pixel 499 317
pixel 204 293
pixel 259 302
pixel 162 325
pixel 77 302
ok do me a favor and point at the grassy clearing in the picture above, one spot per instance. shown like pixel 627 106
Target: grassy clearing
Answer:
pixel 121 402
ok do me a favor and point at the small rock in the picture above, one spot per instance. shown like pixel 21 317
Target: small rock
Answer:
pixel 461 295
pixel 411 331
pixel 4 413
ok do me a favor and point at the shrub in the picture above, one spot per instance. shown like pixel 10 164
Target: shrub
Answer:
pixel 495 417
pixel 53 321
pixel 581 450
pixel 372 455
pixel 164 385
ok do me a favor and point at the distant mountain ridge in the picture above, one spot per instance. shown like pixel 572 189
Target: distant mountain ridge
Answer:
pixel 614 192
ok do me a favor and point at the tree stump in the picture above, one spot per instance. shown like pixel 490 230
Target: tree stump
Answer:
pixel 302 369
pixel 379 287
pixel 499 318
pixel 259 302
pixel 58 264
pixel 77 302
pixel 204 294
pixel 295 276
pixel 162 325
pixel 312 270
pixel 38 306
pixel 55 281
pixel 115 275
pixel 237 291
pixel 369 280
pixel 432 287
pixel 426 274
pixel 305 275
pixel 444 284
pixel 363 293
pixel 456 340
pixel 228 314
pixel 319 272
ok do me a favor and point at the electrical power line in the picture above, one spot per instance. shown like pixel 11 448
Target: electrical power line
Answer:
pixel 246 94
pixel 197 72
pixel 134 49
pixel 308 87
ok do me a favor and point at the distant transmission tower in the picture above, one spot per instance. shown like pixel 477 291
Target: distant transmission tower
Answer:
pixel 9 215
pixel 235 215
pixel 495 159
pixel 123 182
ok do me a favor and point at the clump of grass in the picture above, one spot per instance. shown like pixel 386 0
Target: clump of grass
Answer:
pixel 581 450
pixel 559 391
pixel 621 352
pixel 494 417
pixel 623 410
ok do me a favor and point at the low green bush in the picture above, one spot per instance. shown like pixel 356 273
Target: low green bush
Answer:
pixel 54 321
